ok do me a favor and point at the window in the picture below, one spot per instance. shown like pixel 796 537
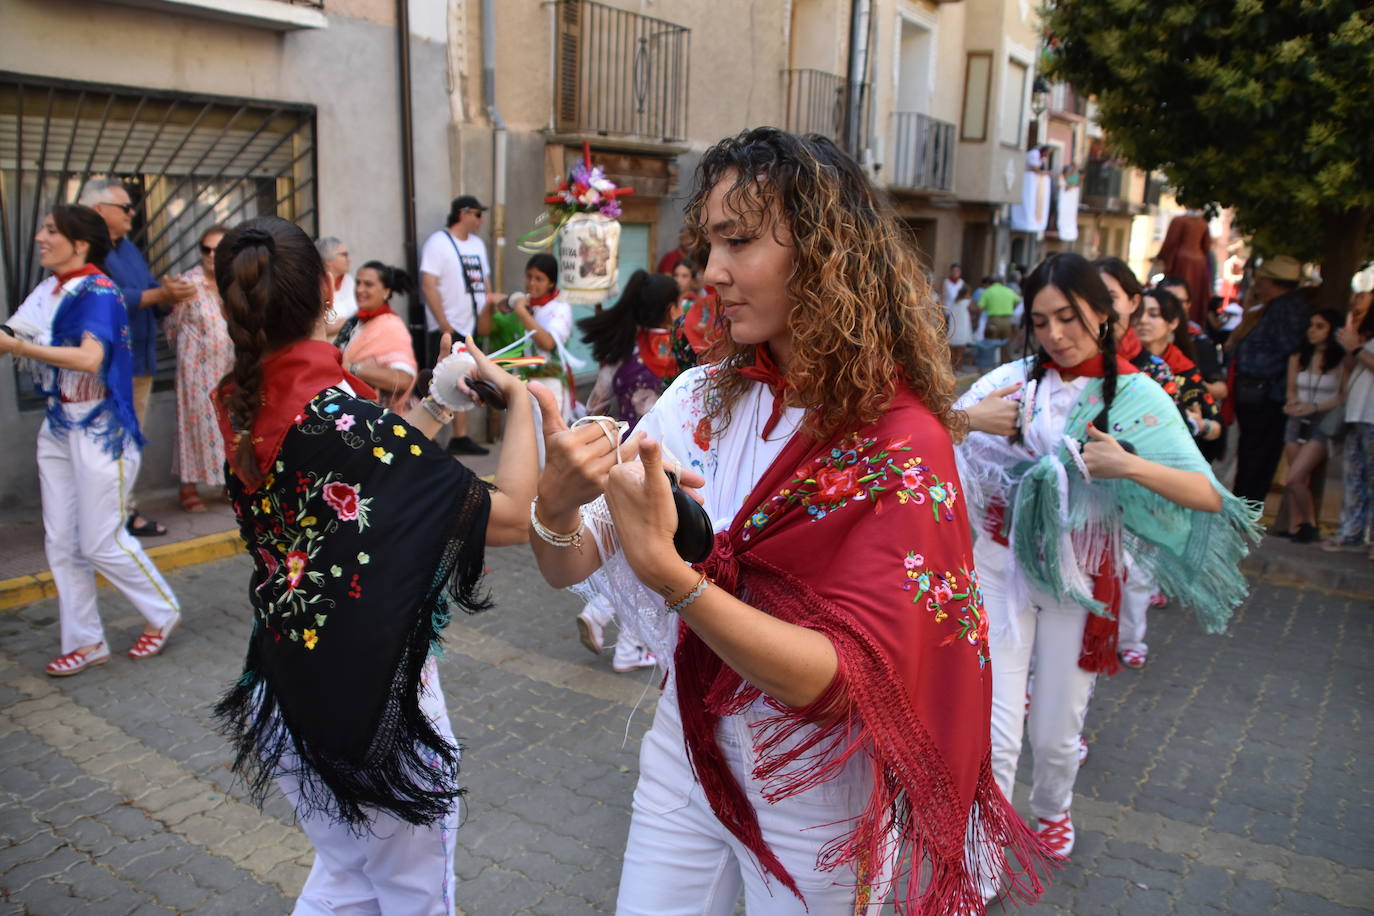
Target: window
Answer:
pixel 977 89
pixel 189 161
pixel 1013 103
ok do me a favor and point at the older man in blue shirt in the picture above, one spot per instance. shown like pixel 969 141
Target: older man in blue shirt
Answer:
pixel 143 297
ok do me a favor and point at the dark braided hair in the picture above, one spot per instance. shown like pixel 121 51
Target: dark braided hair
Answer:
pixel 393 279
pixel 1079 281
pixel 272 282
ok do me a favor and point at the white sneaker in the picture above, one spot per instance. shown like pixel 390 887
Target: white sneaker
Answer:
pixel 589 631
pixel 642 658
pixel 1082 750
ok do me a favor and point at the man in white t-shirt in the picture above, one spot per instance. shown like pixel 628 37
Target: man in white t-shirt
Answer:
pixel 454 278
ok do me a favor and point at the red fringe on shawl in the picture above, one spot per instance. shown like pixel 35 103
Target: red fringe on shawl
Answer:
pixel 1099 651
pixel 864 711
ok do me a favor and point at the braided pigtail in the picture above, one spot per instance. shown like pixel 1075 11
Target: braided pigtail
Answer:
pixel 247 295
pixel 1108 371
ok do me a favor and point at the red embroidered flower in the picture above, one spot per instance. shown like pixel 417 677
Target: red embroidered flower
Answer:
pixel 702 434
pixel 942 592
pixel 343 499
pixel 912 478
pixel 835 484
pixel 295 567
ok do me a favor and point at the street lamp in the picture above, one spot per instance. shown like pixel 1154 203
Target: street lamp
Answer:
pixel 1040 94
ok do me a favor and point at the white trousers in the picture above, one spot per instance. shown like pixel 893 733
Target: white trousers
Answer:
pixel 398 869
pixel 1135 604
pixel 1048 634
pixel 85 494
pixel 681 861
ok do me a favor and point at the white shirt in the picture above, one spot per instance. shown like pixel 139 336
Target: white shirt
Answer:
pixel 448 258
pixel 345 299
pixel 33 319
pixel 952 289
pixel 1359 397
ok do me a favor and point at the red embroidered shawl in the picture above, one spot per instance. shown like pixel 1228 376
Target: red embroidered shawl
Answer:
pixel 866 540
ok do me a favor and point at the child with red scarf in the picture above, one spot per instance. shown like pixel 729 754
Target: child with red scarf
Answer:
pixel 1101 469
pixel 543 315
pixel 822 741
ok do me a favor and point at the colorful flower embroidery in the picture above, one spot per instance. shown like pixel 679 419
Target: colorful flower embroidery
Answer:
pixel 701 434
pixel 859 470
pixel 950 595
pixel 344 422
pixel 343 499
pixel 296 562
pixel 310 639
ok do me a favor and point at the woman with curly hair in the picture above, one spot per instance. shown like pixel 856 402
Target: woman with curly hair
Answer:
pixel 1100 471
pixel 822 740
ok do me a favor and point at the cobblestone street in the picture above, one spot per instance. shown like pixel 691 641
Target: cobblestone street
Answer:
pixel 1223 778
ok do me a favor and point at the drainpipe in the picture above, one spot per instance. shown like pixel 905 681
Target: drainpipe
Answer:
pixel 860 13
pixel 498 141
pixel 412 249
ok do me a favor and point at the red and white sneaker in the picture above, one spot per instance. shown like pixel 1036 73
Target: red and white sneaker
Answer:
pixel 1082 750
pixel 1159 599
pixel 641 658
pixel 76 661
pixel 1133 658
pixel 1057 832
pixel 590 633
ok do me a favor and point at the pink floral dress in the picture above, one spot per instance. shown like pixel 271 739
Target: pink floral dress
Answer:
pixel 197 332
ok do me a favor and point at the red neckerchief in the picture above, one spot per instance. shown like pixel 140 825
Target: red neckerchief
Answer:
pixel 1094 366
pixel 536 301
pixel 1129 346
pixel 338 282
pixel 1176 361
pixel 85 270
pixel 366 315
pixel 766 371
pixel 291 377
pixel 912 689
pixel 702 322
pixel 656 351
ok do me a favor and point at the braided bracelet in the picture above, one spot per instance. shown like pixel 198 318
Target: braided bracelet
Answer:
pixel 679 606
pixel 436 410
pixel 573 539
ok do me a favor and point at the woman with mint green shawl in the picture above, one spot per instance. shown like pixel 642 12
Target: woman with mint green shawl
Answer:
pixel 1101 468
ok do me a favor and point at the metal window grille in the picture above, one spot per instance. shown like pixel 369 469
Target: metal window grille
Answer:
pixel 189 161
pixel 924 152
pixel 620 74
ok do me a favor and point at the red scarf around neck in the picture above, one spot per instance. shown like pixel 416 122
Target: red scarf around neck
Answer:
pixel 766 371
pixel 366 315
pixel 291 377
pixel 536 301
pixel 1176 361
pixel 656 351
pixel 85 270
pixel 865 539
pixel 1094 366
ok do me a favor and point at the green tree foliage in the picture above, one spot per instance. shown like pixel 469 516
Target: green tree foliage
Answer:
pixel 1262 105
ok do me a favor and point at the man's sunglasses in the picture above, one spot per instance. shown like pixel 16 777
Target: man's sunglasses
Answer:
pixel 127 208
pixel 206 249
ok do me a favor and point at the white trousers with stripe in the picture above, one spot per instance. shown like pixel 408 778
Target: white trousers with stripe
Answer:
pixel 85 494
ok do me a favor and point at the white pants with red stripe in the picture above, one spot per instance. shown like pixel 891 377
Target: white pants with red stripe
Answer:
pixel 1049 632
pixel 85 494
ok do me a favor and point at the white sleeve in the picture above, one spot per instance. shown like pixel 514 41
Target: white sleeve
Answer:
pixel 557 319
pixel 1005 374
pixel 432 256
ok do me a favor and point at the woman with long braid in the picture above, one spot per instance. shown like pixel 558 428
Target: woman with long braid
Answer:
pixel 1100 467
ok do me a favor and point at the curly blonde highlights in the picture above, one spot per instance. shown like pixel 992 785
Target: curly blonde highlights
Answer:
pixel 863 318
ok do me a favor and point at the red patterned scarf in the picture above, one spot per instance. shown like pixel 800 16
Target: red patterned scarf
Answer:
pixel 865 539
pixel 366 315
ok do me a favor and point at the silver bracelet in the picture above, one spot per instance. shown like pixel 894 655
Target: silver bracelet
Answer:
pixel 680 606
pixel 436 410
pixel 553 538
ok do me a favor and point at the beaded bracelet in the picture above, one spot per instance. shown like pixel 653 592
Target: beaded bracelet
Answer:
pixel 682 605
pixel 554 538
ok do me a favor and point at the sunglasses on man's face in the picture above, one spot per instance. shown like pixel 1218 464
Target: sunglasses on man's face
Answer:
pixel 206 249
pixel 127 208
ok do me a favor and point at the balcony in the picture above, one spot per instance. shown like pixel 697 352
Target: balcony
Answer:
pixel 277 15
pixel 820 103
pixel 923 153
pixel 1105 188
pixel 619 74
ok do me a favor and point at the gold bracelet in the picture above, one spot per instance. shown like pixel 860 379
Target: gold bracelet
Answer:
pixel 554 538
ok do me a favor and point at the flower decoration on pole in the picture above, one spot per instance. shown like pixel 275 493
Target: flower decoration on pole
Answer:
pixel 585 190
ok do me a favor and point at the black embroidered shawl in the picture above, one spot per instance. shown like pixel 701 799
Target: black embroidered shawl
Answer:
pixel 364 535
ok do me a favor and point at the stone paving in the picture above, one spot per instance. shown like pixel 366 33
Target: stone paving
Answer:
pixel 1224 778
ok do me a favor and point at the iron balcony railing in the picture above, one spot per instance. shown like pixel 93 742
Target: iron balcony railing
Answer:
pixel 620 74
pixel 923 153
pixel 821 103
pixel 1103 182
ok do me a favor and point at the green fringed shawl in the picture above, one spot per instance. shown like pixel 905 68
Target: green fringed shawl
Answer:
pixel 1194 556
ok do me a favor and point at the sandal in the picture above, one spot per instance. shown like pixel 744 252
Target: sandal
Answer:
pixel 148 529
pixel 1132 658
pixel 76 661
pixel 149 644
pixel 190 500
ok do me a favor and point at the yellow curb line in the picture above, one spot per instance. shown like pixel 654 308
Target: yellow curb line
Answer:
pixel 36 587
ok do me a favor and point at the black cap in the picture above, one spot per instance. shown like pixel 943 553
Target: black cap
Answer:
pixel 467 202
